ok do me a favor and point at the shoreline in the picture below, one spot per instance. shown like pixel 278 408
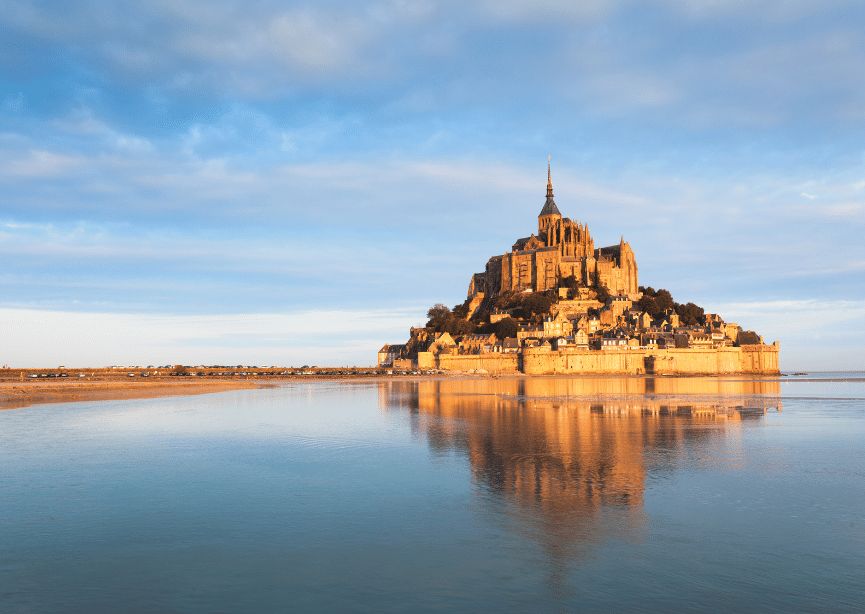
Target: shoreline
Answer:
pixel 16 393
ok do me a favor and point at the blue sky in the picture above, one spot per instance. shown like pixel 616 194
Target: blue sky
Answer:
pixel 287 183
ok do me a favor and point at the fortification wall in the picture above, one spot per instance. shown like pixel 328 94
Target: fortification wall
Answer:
pixel 757 359
pixel 493 363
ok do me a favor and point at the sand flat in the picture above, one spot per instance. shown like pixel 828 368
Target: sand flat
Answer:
pixel 17 394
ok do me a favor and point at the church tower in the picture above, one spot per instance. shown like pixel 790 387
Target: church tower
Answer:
pixel 549 216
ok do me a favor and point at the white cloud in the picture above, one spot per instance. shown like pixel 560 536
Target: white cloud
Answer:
pixel 39 164
pixel 36 338
pixel 814 334
pixel 848 210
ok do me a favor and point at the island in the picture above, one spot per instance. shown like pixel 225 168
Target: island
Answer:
pixel 556 304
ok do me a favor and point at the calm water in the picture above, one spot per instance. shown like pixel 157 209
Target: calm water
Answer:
pixel 547 494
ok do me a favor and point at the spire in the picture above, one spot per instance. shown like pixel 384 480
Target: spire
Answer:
pixel 549 206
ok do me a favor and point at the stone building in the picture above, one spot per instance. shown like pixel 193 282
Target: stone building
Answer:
pixel 561 248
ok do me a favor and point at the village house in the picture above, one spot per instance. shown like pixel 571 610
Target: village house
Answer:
pixel 557 325
pixel 510 345
pixel 500 314
pixel 527 331
pixel 389 353
pixel 478 344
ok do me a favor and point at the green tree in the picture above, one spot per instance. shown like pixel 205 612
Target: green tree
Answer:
pixel 537 303
pixel 664 301
pixel 457 327
pixel 647 291
pixel 602 294
pixel 508 299
pixel 438 314
pixel 648 304
pixel 461 311
pixel 570 282
pixel 689 314
pixel 506 327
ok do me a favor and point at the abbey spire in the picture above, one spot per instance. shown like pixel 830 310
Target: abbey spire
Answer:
pixel 549 206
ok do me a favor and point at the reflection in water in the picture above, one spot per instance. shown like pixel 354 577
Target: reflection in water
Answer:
pixel 567 459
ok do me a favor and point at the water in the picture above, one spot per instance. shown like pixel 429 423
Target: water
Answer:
pixel 545 494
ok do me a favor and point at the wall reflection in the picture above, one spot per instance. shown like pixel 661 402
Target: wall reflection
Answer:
pixel 554 452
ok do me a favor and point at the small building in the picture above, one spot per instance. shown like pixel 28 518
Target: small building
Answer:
pixel 699 340
pixel 556 326
pixel 510 345
pixel 561 343
pixel 389 353
pixel 478 344
pixel 500 314
pixel 581 339
pixel 527 331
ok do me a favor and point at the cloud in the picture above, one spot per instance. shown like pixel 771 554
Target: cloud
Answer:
pixel 38 338
pixel 814 334
pixel 39 164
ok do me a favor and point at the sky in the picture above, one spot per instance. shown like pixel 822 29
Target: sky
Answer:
pixel 291 183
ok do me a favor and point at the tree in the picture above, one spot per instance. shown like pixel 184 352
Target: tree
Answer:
pixel 537 303
pixel 506 327
pixel 647 291
pixel 689 314
pixel 461 311
pixel 570 281
pixel 602 294
pixel 438 314
pixel 664 301
pixel 457 326
pixel 648 304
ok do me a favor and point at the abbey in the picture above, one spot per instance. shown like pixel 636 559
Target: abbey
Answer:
pixel 561 248
pixel 557 304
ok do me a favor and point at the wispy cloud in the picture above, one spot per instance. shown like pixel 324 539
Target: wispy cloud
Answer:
pixel 231 157
pixel 37 338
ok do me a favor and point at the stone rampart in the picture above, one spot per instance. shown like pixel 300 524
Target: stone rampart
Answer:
pixel 756 359
pixel 492 363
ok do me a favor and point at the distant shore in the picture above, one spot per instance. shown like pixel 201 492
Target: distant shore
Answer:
pixel 19 389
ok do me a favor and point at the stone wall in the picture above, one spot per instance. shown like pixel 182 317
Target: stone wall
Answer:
pixel 756 359
pixel 493 363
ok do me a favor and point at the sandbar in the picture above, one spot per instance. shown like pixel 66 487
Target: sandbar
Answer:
pixel 18 394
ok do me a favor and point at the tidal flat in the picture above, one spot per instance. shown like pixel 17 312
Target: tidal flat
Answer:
pixel 515 494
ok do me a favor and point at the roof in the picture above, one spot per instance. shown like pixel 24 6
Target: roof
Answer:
pixel 549 206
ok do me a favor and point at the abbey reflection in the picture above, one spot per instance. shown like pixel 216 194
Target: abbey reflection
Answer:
pixel 564 461
pixel 570 445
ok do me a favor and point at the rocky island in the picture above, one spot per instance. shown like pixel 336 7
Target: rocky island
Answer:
pixel 555 303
